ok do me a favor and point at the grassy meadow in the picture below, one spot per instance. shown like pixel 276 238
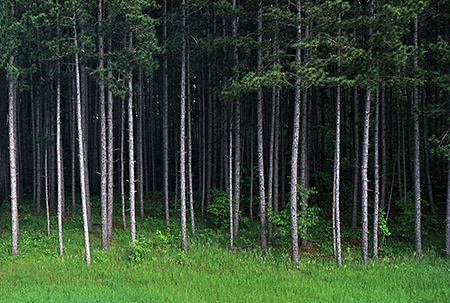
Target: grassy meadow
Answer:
pixel 155 270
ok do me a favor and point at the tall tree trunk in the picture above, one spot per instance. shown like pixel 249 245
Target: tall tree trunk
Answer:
pixel 81 148
pixel 110 128
pixel 237 135
pixel 102 118
pixel 365 162
pixel 294 153
pixel 376 199
pixel 131 177
pixel 365 180
pixel 383 143
pixel 183 133
pixel 59 161
pixel 12 131
pixel 189 138
pixel 47 207
pixel 165 121
pixel 336 181
pixel 251 172
pixel 73 145
pixel 140 157
pixel 262 194
pixel 230 177
pixel 337 171
pixel 122 162
pixel 416 148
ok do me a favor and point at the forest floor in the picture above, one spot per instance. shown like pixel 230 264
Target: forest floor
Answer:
pixel 155 270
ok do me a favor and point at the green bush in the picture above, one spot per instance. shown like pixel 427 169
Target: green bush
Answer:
pixel 219 210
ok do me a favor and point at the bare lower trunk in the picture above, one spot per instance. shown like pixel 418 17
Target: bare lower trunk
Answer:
pixel 376 177
pixel 82 152
pixel 416 148
pixel 260 139
pixel 103 163
pixel 165 122
pixel 336 183
pixel 12 130
pixel 122 164
pixel 365 180
pixel 110 128
pixel 131 152
pixel 183 137
pixel 59 163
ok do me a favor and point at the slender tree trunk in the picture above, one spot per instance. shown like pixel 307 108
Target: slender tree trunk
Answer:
pixel 102 118
pixel 365 180
pixel 376 199
pixel 73 151
pixel 336 183
pixel 81 149
pixel 262 194
pixel 337 172
pixel 122 163
pixel 383 145
pixel 294 153
pixel 251 172
pixel 110 128
pixel 47 207
pixel 183 134
pixel 416 166
pixel 12 131
pixel 166 121
pixel 59 162
pixel 140 157
pixel 131 151
pixel 237 135
pixel 356 143
pixel 189 137
pixel 230 159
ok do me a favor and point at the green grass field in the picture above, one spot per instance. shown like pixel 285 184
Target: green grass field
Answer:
pixel 157 271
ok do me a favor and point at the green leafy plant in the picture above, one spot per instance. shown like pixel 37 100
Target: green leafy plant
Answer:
pixel 219 210
pixel 305 218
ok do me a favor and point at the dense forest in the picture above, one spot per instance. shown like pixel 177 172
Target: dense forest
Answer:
pixel 268 111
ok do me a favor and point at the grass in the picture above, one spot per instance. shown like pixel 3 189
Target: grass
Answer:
pixel 205 272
